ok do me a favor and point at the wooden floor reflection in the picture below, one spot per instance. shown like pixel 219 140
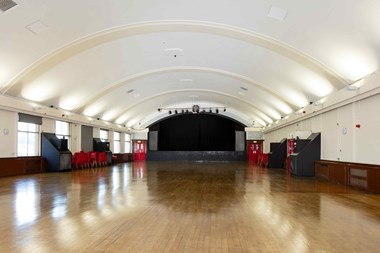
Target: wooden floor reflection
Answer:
pixel 184 207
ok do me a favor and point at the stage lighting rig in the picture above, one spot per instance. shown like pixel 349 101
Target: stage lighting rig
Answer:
pixel 193 109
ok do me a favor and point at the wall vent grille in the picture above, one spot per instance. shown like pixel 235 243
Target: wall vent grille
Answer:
pixel 6 4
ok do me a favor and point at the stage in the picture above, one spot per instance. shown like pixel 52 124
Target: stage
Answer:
pixel 196 156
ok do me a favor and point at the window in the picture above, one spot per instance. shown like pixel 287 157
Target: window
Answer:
pixel 104 135
pixel 62 131
pixel 116 142
pixel 127 148
pixel 27 139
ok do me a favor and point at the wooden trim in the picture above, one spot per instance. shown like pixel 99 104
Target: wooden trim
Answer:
pixel 363 176
pixel 123 157
pixel 21 165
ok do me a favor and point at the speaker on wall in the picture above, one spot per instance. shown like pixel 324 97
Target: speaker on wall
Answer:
pixel 152 140
pixel 239 140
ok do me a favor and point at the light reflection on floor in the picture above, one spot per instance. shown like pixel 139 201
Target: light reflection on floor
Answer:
pixel 26 202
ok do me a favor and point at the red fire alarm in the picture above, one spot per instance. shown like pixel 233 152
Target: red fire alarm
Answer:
pixel 357 125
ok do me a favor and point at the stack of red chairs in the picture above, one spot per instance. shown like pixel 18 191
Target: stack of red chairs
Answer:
pixel 102 159
pixel 82 160
pixel 85 157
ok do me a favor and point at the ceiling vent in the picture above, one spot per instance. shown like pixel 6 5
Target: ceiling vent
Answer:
pixel 37 27
pixel 6 4
pixel 277 13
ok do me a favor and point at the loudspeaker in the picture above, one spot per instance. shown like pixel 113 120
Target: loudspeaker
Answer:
pixel 152 140
pixel 239 140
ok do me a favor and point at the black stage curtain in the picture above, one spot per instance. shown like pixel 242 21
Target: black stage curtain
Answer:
pixel 197 132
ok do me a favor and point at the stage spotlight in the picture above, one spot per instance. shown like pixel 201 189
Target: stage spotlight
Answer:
pixel 170 112
pixel 217 110
pixel 224 110
pixel 187 111
pixel 210 110
pixel 196 108
pixel 159 109
pixel 175 111
pixel 183 111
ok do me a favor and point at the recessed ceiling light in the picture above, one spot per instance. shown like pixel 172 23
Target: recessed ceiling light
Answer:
pixel 37 27
pixel 174 52
pixel 241 93
pixel 356 85
pixel 137 95
pixel 277 13
pixel 174 49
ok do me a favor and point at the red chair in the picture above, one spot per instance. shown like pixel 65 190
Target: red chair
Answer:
pixel 264 160
pixel 102 159
pixel 259 159
pixel 82 159
pixel 87 160
pixel 76 161
pixel 93 159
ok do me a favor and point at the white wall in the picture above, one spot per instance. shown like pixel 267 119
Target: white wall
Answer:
pixel 140 136
pixel 350 145
pixel 367 137
pixel 253 135
pixel 48 125
pixel 110 139
pixel 75 138
pixel 122 142
pixel 96 132
pixel 8 133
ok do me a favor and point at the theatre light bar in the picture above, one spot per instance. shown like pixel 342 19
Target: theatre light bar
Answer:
pixel 193 109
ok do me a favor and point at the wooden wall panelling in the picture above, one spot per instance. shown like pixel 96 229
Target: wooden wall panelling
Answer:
pixel 363 176
pixel 21 165
pixel 338 173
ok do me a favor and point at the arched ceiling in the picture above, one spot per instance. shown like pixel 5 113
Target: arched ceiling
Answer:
pixel 122 60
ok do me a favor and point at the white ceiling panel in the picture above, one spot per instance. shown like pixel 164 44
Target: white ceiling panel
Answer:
pixel 83 56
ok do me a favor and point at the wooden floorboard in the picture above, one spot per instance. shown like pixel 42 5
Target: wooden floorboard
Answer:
pixel 184 207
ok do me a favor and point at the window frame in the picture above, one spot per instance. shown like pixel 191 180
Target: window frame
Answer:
pixel 61 135
pixel 100 135
pixel 116 142
pixel 127 143
pixel 29 133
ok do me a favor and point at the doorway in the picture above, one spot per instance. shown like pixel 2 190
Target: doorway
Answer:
pixel 254 149
pixel 139 150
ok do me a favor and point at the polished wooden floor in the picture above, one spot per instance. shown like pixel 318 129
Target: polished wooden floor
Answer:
pixel 184 207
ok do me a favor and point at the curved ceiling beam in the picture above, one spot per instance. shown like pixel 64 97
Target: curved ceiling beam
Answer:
pixel 193 90
pixel 50 60
pixel 120 83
